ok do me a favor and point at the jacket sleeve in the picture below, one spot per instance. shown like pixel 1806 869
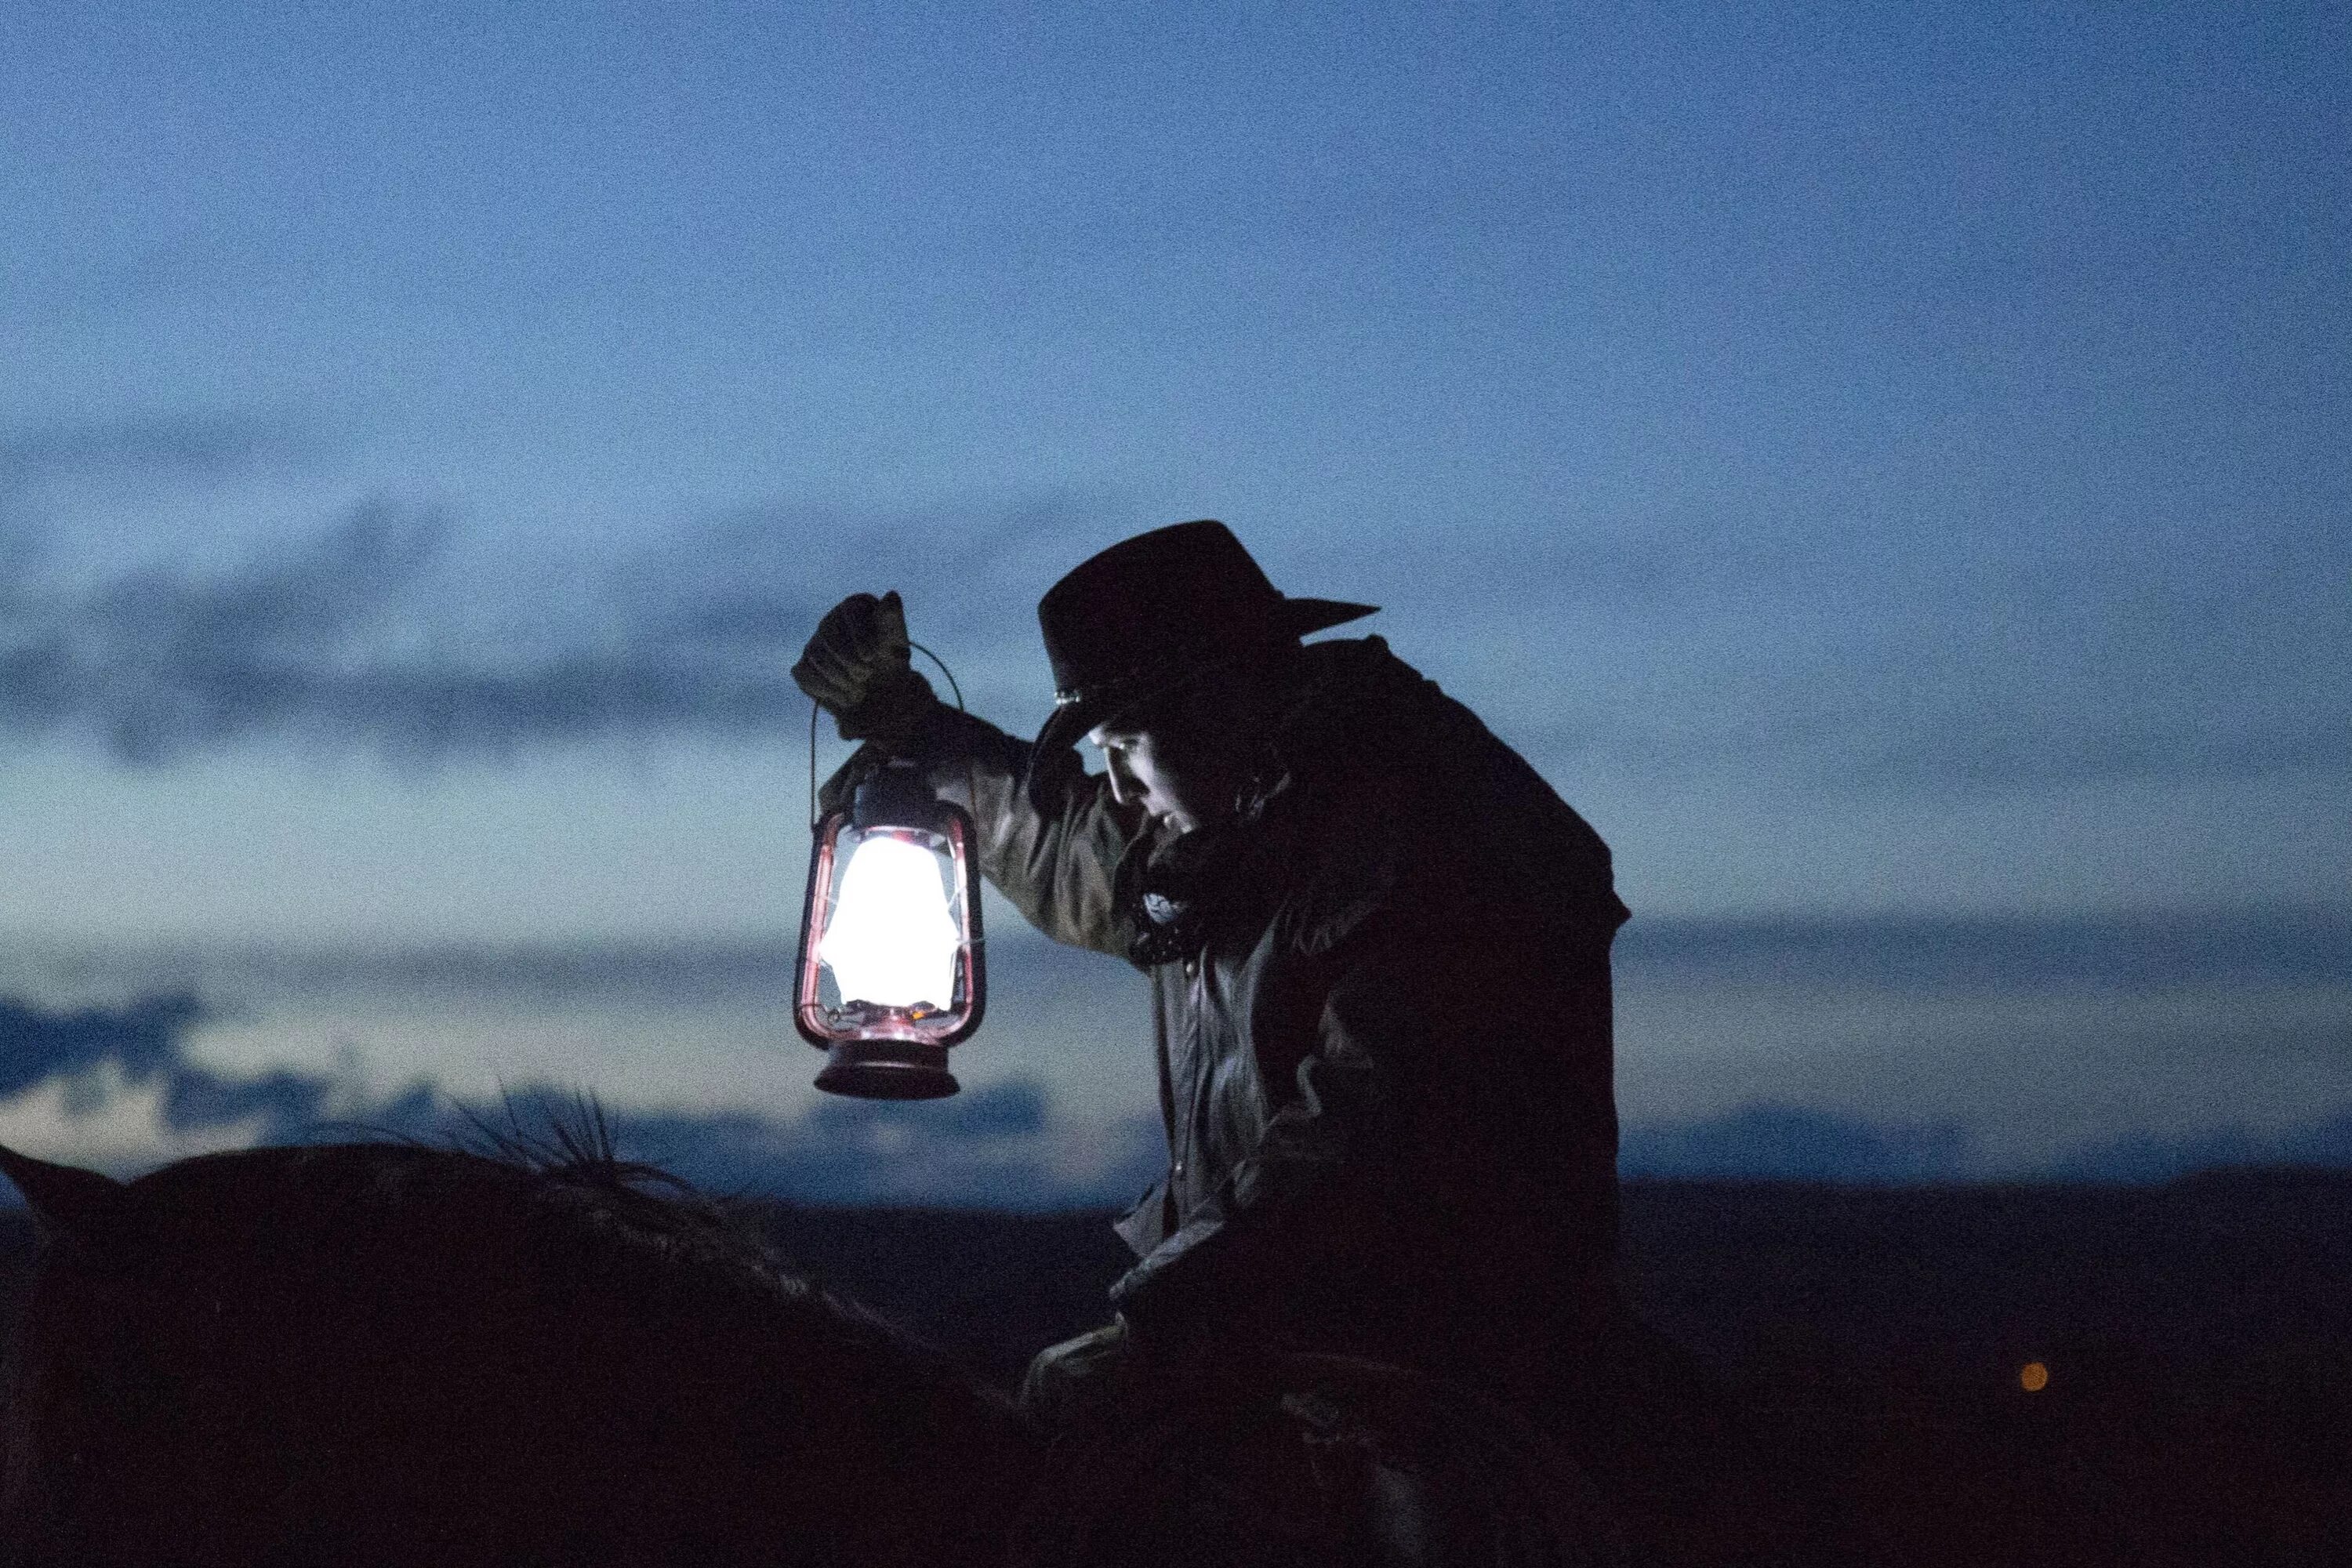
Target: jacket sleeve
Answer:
pixel 1057 862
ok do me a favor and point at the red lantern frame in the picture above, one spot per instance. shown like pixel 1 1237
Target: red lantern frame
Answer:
pixel 872 1051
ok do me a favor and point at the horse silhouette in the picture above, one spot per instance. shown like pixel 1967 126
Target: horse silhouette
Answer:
pixel 382 1354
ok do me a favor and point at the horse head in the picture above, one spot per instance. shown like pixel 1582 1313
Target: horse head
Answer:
pixel 85 1207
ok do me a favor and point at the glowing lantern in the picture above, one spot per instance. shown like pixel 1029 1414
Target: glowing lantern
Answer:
pixel 890 971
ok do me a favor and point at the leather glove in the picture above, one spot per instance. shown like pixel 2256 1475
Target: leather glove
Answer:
pixel 859 667
pixel 1183 1303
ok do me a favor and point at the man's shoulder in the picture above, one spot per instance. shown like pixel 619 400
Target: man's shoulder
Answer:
pixel 1408 802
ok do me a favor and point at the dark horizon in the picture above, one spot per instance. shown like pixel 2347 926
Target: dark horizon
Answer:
pixel 2190 1339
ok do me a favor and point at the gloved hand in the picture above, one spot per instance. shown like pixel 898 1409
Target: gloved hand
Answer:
pixel 1184 1304
pixel 859 667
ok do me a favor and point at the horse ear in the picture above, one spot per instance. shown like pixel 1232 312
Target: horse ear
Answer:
pixel 68 1200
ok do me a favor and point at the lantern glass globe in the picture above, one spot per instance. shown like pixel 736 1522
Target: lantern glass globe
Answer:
pixel 892 938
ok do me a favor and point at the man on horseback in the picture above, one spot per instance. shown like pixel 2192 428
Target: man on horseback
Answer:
pixel 1378 949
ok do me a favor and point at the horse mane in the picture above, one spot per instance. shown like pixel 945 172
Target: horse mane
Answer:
pixel 574 1149
pixel 579 1144
pixel 575 1157
pixel 562 1165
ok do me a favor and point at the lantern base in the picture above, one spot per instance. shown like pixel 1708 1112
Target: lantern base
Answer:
pixel 887 1069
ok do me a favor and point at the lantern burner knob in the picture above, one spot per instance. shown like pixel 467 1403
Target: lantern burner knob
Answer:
pixel 898 796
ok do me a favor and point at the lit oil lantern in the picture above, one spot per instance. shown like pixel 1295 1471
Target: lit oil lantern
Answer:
pixel 890 970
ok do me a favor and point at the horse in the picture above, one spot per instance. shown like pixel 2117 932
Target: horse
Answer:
pixel 382 1355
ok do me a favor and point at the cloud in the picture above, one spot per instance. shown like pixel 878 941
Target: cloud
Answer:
pixel 378 632
pixel 331 643
pixel 2291 945
pixel 92 1054
pixel 1829 645
pixel 2009 953
pixel 115 1087
pixel 1766 1142
pixel 2023 647
pixel 2325 1142
pixel 142 1038
pixel 79 1084
pixel 104 1123
pixel 135 451
pixel 1900 714
pixel 178 447
pixel 996 1146
pixel 685 973
pixel 1784 1143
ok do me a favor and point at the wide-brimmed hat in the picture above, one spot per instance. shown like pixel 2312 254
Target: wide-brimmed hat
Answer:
pixel 1152 612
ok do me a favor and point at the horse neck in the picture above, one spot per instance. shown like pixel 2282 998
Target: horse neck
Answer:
pixel 940 1460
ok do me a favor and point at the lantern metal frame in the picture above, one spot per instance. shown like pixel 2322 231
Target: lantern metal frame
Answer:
pixel 892 1053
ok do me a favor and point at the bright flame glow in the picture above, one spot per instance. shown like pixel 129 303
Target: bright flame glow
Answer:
pixel 892 940
pixel 2033 1377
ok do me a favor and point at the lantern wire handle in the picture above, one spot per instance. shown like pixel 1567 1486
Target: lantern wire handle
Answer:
pixel 813 710
pixel 935 658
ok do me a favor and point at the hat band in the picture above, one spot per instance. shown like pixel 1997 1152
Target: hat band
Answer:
pixel 1071 696
pixel 1138 685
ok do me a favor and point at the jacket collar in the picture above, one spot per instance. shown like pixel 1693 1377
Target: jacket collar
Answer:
pixel 1341 721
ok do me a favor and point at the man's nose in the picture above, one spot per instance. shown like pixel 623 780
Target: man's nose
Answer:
pixel 1122 782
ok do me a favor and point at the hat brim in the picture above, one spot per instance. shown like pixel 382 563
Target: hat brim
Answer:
pixel 1069 722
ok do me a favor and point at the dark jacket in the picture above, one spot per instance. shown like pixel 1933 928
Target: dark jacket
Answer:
pixel 1382 997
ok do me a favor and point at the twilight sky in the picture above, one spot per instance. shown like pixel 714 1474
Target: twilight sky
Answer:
pixel 1888 469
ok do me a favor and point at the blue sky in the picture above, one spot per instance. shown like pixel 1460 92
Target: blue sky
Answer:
pixel 1886 470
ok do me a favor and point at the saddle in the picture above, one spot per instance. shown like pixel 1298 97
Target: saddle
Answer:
pixel 1317 1461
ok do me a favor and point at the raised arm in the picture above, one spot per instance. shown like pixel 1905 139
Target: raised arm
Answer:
pixel 1051 845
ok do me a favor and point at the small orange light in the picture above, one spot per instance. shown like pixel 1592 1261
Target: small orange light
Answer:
pixel 2033 1377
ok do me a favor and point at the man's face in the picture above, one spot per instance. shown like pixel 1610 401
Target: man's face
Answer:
pixel 1184 782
